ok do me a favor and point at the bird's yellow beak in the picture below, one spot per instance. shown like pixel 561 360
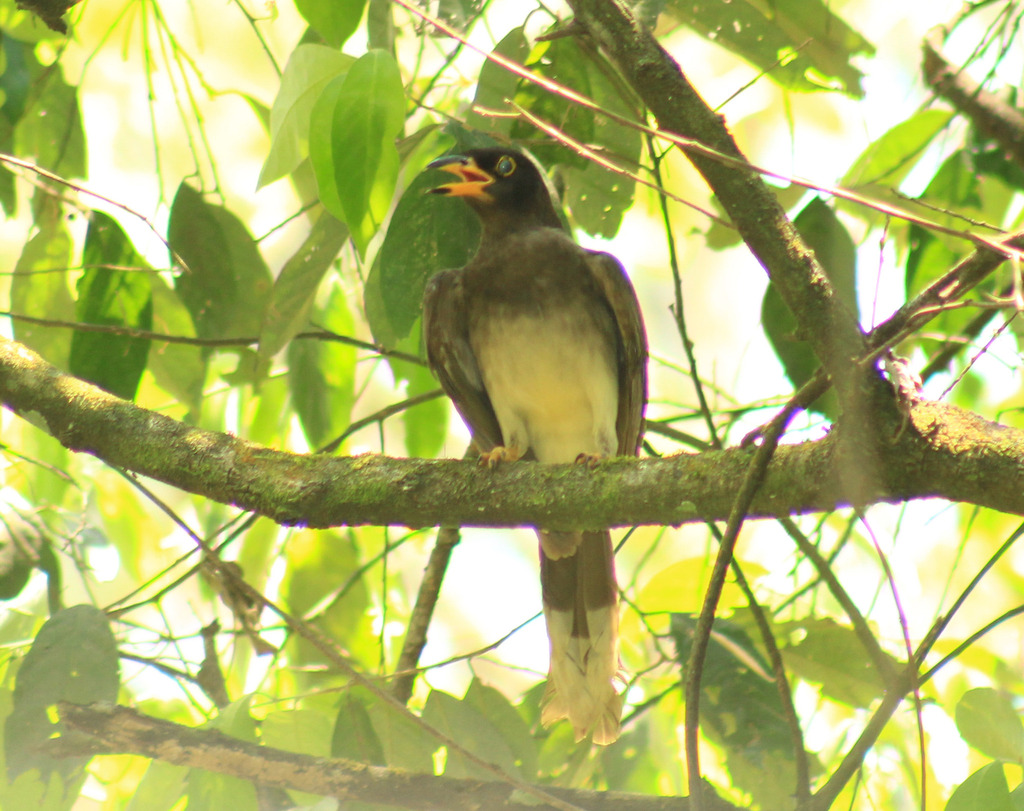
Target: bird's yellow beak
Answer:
pixel 473 181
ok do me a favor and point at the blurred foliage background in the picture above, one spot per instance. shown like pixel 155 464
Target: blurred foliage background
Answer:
pixel 216 210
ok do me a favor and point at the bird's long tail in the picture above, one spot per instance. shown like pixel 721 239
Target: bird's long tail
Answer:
pixel 581 608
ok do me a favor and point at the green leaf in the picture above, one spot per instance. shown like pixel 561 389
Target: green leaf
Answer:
pixel 463 722
pixel 890 158
pixel 374 731
pixel 496 708
pixel 352 143
pixel 354 737
pixel 985 790
pixel 596 197
pixel 307 732
pixel 800 44
pixel 209 791
pixel 741 710
pixel 74 659
pixel 160 789
pixel 832 244
pixel 40 286
pixel 51 127
pixel 295 287
pixel 495 84
pixel 322 373
pixel 319 565
pixel 334 20
pixel 427 234
pixel 831 655
pixel 309 70
pixel 179 369
pixel 227 283
pixel 25 545
pixel 110 296
pixel 426 424
pixel 988 721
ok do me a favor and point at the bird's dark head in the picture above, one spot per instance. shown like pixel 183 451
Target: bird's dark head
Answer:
pixel 502 185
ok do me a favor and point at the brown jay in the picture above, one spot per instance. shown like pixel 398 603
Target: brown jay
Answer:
pixel 541 346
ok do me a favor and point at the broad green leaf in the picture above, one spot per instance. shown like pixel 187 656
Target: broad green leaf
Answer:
pixel 321 566
pixel 680 588
pixel 800 44
pixel 374 731
pixel 422 239
pixel 352 143
pixel 405 744
pixel 160 789
pixel 40 286
pixel 268 420
pixel 307 732
pixel 462 722
pixel 834 248
pixel 988 721
pixel 741 710
pixel 830 654
pixel 562 61
pixel 426 424
pixel 25 545
pixel 18 66
pixel 495 84
pixel 354 737
pixel 210 791
pixel 227 283
pixel 114 290
pixel 334 20
pixel 51 127
pixel 74 659
pixel 322 373
pixel 985 790
pixel 295 287
pixel 309 70
pixel 32 790
pixel 956 187
pixel 596 197
pixel 499 712
pixel 890 158
pixel 179 369
pixel 235 720
pixel 426 234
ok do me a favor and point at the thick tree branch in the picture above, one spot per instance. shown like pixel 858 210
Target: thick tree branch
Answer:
pixel 990 114
pixel 829 327
pixel 944 452
pixel 120 730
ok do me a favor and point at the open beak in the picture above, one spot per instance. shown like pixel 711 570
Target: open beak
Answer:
pixel 472 180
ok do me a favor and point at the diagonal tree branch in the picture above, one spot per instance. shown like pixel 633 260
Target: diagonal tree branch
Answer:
pixel 656 77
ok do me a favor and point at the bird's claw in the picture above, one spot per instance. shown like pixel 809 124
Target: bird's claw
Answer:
pixel 500 454
pixel 589 460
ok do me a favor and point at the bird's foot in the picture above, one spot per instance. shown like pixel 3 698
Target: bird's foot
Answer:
pixel 500 454
pixel 589 460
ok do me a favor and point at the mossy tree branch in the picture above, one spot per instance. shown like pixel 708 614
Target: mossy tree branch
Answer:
pixel 944 451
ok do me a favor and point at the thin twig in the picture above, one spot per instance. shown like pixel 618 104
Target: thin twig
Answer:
pixel 756 472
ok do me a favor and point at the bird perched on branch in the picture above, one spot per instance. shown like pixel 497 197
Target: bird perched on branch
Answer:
pixel 541 346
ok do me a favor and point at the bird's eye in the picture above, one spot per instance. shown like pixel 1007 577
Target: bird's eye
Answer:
pixel 505 166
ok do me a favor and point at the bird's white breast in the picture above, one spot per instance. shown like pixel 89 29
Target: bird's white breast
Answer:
pixel 552 380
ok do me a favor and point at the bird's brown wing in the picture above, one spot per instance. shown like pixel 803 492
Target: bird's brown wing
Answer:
pixel 451 357
pixel 612 280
